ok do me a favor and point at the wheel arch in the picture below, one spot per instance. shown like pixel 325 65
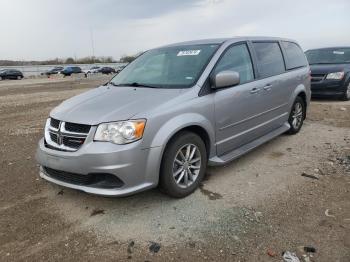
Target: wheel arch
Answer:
pixel 304 93
pixel 192 122
pixel 196 129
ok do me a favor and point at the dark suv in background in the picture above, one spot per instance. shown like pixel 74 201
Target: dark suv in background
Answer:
pixel 107 70
pixel 69 70
pixel 10 74
pixel 330 72
pixel 53 71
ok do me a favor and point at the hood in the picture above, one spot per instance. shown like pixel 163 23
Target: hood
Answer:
pixel 329 68
pixel 109 103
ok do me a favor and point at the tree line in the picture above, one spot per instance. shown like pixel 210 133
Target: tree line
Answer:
pixel 71 60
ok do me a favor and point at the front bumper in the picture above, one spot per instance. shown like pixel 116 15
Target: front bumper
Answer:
pixel 137 168
pixel 328 88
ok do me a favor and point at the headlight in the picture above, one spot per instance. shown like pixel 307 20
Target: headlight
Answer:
pixel 122 132
pixel 335 76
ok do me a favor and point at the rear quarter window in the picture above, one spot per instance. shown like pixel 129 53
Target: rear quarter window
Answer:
pixel 295 57
pixel 270 59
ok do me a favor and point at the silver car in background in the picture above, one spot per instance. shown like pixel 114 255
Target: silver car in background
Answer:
pixel 173 111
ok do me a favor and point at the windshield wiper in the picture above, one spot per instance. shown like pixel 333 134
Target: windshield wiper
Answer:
pixel 136 84
pixel 112 83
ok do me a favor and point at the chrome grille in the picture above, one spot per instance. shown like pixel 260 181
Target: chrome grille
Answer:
pixel 317 77
pixel 78 128
pixel 65 136
pixel 54 123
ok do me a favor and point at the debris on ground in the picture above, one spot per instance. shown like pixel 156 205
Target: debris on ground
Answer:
pixel 309 176
pixel 327 213
pixel 154 247
pixel 97 211
pixel 258 215
pixel 344 161
pixel 309 249
pixel 290 257
pixel 271 253
pixel 60 192
pixel 192 244
pixel 131 247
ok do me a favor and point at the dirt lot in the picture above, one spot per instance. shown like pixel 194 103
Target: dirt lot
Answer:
pixel 258 204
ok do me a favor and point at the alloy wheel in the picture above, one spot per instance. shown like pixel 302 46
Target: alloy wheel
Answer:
pixel 187 165
pixel 297 115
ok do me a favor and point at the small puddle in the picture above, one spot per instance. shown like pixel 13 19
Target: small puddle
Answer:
pixel 275 155
pixel 211 195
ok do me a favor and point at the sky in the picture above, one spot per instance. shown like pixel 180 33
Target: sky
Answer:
pixel 46 29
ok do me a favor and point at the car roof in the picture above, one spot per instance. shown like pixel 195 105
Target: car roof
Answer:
pixel 232 39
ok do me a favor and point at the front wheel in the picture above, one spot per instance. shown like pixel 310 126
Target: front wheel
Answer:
pixel 297 116
pixel 19 77
pixel 346 95
pixel 183 165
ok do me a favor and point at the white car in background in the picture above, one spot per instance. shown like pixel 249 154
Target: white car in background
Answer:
pixel 92 70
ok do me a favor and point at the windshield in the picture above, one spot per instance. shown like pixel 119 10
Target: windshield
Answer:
pixel 176 66
pixel 328 56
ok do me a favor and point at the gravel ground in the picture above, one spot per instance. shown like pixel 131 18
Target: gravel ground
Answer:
pixel 289 193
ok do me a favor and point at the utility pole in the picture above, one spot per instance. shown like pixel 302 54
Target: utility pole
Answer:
pixel 92 46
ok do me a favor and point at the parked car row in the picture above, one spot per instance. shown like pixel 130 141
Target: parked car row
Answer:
pixel 104 70
pixel 67 71
pixel 70 70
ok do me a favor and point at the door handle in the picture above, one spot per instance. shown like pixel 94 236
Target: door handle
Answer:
pixel 255 90
pixel 267 87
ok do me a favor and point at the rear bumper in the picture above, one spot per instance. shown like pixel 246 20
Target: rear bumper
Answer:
pixel 137 168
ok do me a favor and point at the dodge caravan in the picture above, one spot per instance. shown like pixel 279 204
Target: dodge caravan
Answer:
pixel 173 111
pixel 330 72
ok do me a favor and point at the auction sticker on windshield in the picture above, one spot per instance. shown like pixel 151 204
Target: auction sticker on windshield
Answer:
pixel 188 52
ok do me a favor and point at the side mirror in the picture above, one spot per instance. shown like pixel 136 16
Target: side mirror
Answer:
pixel 225 79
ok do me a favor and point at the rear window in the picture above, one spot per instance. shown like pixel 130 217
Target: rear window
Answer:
pixel 270 59
pixel 294 55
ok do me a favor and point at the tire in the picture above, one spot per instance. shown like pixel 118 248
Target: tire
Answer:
pixel 1 78
pixel 297 116
pixel 346 95
pixel 178 176
pixel 19 77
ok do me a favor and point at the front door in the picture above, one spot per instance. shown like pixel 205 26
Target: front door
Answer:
pixel 238 108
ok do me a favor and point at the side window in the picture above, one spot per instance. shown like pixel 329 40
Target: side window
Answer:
pixel 270 59
pixel 295 57
pixel 237 58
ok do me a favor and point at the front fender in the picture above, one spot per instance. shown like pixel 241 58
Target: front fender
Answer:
pixel 177 123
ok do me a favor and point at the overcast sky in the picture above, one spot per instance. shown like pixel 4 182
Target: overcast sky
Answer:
pixel 44 29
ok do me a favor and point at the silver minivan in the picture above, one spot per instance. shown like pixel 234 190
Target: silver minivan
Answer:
pixel 173 111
